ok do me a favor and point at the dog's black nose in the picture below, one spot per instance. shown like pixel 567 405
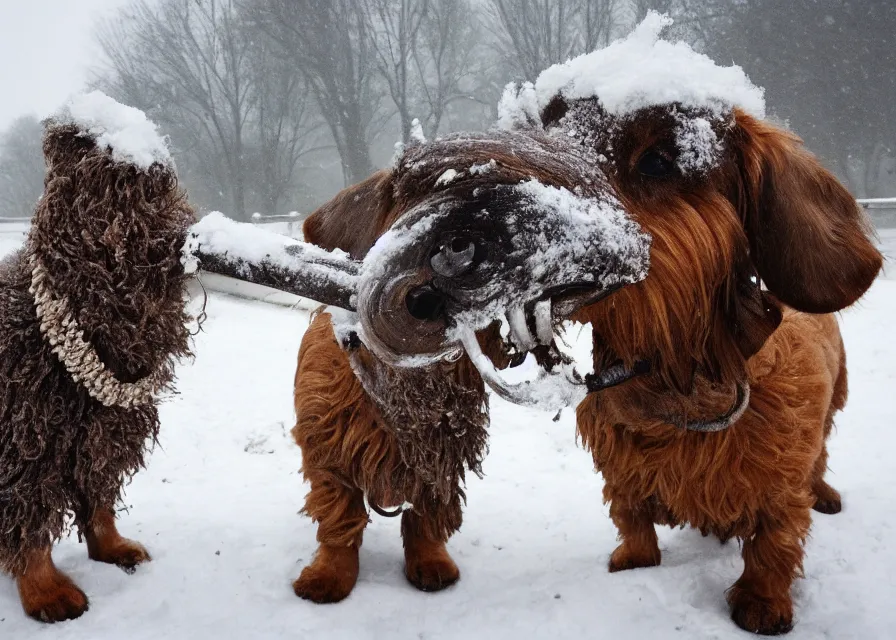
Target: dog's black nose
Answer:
pixel 425 303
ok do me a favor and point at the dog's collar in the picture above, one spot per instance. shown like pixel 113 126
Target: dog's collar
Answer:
pixel 615 375
pixel 66 339
pixel 618 373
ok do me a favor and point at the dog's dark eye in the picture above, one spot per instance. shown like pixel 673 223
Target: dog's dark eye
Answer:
pixel 655 165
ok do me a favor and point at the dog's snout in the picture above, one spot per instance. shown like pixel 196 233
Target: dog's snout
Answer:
pixel 425 303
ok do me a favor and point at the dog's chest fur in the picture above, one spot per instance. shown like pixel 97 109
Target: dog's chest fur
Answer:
pixel 719 482
pixel 61 452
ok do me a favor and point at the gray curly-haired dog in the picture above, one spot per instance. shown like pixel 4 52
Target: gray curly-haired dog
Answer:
pixel 92 321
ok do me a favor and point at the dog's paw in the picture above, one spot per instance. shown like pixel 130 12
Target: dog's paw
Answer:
pixel 57 601
pixel 124 553
pixel 827 499
pixel 433 574
pixel 319 585
pixel 760 615
pixel 829 507
pixel 624 558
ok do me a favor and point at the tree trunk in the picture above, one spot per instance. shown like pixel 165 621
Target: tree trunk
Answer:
pixel 356 161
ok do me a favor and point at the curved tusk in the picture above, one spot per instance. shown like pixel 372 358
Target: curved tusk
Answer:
pixel 548 391
pixel 519 329
pixel 543 326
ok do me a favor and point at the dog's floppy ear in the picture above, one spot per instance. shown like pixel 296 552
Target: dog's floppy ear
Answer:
pixel 809 239
pixel 354 218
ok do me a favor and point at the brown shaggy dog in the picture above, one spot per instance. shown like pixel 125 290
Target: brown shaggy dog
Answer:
pixel 765 211
pixel 102 265
pixel 400 435
pixel 349 449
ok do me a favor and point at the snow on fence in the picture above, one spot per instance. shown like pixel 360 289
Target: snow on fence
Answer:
pixel 14 225
pixel 12 233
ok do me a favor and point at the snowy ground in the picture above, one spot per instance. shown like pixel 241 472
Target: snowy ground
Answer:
pixel 218 510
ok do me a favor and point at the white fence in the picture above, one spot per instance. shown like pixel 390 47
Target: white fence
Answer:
pixel 11 226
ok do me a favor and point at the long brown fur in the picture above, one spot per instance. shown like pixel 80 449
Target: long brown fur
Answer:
pixel 109 236
pixel 769 210
pixel 350 449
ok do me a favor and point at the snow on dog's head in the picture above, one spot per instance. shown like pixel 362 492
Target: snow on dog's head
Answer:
pixel 639 75
pixel 112 192
pixel 130 136
pixel 639 71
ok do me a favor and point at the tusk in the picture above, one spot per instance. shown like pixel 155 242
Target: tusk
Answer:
pixel 519 329
pixel 543 326
pixel 548 391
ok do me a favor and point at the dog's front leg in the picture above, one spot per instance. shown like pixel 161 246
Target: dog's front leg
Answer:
pixel 760 599
pixel 105 544
pixel 46 593
pixel 341 517
pixel 639 546
pixel 425 531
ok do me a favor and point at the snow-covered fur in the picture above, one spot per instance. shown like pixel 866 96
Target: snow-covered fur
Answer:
pixel 391 435
pixel 108 235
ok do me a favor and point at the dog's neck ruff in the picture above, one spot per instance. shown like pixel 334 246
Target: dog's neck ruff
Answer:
pixel 66 338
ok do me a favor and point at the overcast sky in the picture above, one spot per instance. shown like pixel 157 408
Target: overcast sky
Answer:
pixel 46 49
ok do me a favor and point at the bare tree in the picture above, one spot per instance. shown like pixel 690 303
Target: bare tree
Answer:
pixel 21 167
pixel 394 28
pixel 599 21
pixel 827 70
pixel 534 34
pixel 640 8
pixel 449 61
pixel 285 126
pixel 193 58
pixel 694 19
pixel 330 42
pixel 537 33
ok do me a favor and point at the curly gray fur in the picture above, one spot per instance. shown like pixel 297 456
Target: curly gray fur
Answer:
pixel 109 236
